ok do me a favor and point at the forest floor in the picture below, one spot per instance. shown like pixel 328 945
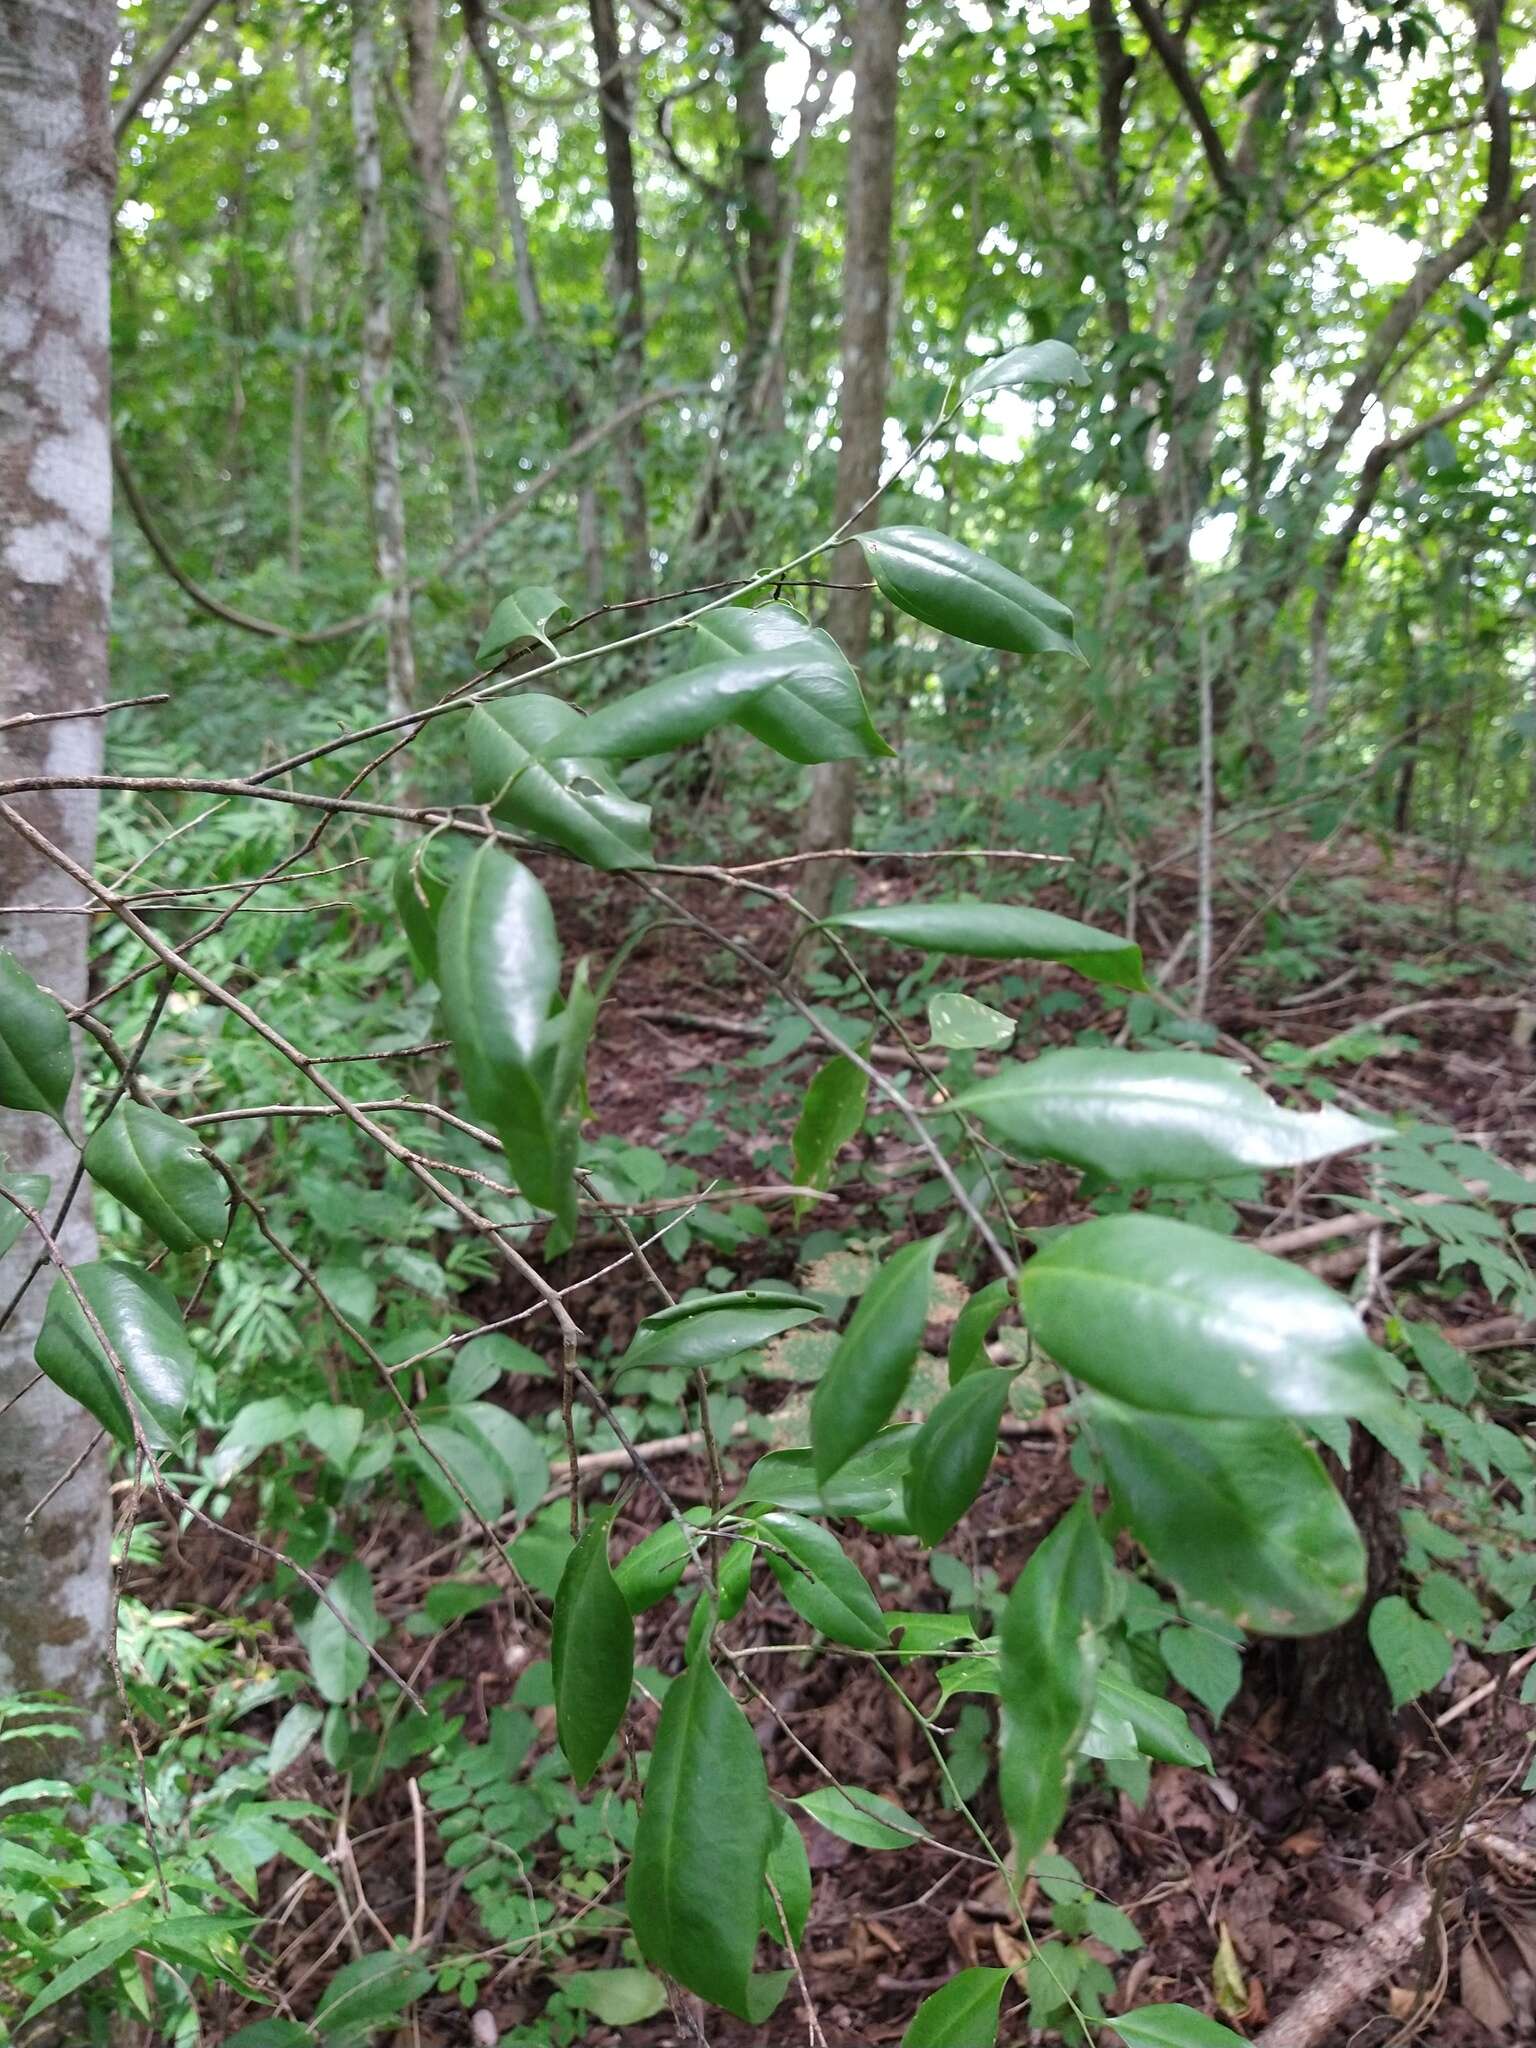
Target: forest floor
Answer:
pixel 1246 1884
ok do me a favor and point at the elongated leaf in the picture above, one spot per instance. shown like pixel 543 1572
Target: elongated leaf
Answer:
pixel 363 1995
pixel 33 1190
pixel 968 1339
pixel 1205 1664
pixel 1048 1656
pixel 821 1583
pixel 953 1453
pixel 522 616
pixel 518 769
pixel 421 879
pixel 831 1115
pixel 654 1568
pixel 143 1326
pixel 1001 931
pixel 683 707
pixel 701 1848
pixel 1161 1729
pixel 1037 362
pixel 1240 1516
pixel 519 1458
pixel 961 1024
pixel 1142 1117
pixel 36 1063
pixel 1168 1316
pixel 870 1368
pixel 337 1658
pixel 1413 1653
pixel 619 1998
pixel 962 2014
pixel 718 1326
pixel 868 1485
pixel 789 1868
pixel 447 1459
pixel 592 1651
pixel 1171 2026
pixel 948 585
pixel 155 1167
pixel 861 1817
pixel 818 712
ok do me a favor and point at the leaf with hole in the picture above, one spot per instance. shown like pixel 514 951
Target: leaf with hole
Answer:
pixel 526 765
pixel 142 1324
pixel 1051 363
pixel 831 1115
pixel 36 1063
pixel 708 1328
pixel 592 1653
pixel 1000 931
pixel 947 585
pixel 868 1374
pixel 523 615
pixel 953 1452
pixel 959 1023
pixel 818 712
pixel 823 1585
pixel 1172 1317
pixel 961 2014
pixel 155 1167
pixel 1412 1652
pixel 1140 1118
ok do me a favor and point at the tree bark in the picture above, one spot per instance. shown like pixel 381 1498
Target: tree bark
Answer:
pixel 626 287
pixel 376 374
pixel 302 257
pixel 867 208
pixel 56 186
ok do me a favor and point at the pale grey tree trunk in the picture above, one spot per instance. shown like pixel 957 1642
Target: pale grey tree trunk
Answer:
pixel 376 371
pixel 56 184
pixel 877 32
pixel 302 259
pixel 626 288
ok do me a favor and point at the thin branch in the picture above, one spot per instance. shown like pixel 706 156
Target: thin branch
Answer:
pixel 148 78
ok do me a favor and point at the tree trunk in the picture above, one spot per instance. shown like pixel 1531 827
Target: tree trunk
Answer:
pixel 626 288
pixel 56 187
pixel 376 374
pixel 302 247
pixel 867 206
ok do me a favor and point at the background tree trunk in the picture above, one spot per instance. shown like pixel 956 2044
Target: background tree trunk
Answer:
pixel 877 32
pixel 56 183
pixel 626 287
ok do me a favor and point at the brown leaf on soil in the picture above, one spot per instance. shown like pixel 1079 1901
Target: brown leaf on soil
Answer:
pixel 1306 1843
pixel 1482 1994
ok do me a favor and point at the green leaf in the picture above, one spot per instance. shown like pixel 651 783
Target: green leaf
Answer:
pixel 684 707
pixel 1452 1602
pixel 1205 1664
pixel 619 1998
pixel 832 1113
pixel 422 877
pixel 818 712
pixel 143 1326
pixel 365 1994
pixel 861 1817
pixel 968 1339
pixel 1001 931
pixel 32 1188
pixel 790 1869
pixel 1161 1729
pixel 518 1457
pixel 1141 1117
pixel 961 1024
pixel 1171 1317
pixel 592 1651
pixel 953 1453
pixel 1412 1652
pixel 962 2014
pixel 1048 1654
pixel 869 1484
pixel 696 1877
pixel 337 1659
pixel 948 585
pixel 711 1327
pixel 1446 1368
pixel 869 1370
pixel 441 1454
pixel 569 799
pixel 155 1167
pixel 485 1360
pixel 125 1930
pixel 1037 362
pixel 1171 2026
pixel 1516 1631
pixel 821 1583
pixel 1240 1516
pixel 272 2034
pixel 36 1063
pixel 522 616
pixel 655 1566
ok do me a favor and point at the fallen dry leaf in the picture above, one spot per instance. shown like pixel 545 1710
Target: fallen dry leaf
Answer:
pixel 1228 1980
pixel 1481 1992
pixel 1306 1843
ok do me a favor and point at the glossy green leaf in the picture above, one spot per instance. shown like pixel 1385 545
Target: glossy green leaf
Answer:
pixel 712 1327
pixel 968 1339
pixel 155 1167
pixel 1205 1664
pixel 1142 1117
pixel 520 1461
pixel 142 1324
pixel 522 616
pixel 422 877
pixel 707 1824
pixel 1413 1653
pixel 619 1998
pixel 821 1583
pixel 684 707
pixel 592 1651
pixel 818 712
pixel 1168 1316
pixel 948 585
pixel 1161 1729
pixel 953 1453
pixel 1240 1516
pixel 338 1660
pixel 364 1995
pixel 960 1024
pixel 1001 931
pixel 789 1867
pixel 863 1818
pixel 868 1374
pixel 569 799
pixel 32 1188
pixel 1050 363
pixel 962 2014
pixel 831 1115
pixel 1049 1653
pixel 36 1063
pixel 1171 2026
pixel 870 1484
pixel 646 1574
